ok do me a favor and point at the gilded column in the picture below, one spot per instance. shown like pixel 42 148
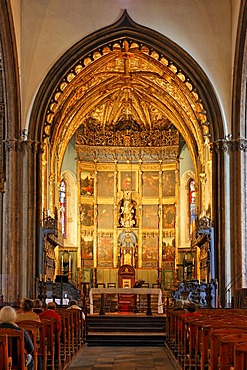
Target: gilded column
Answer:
pixel 160 216
pixel 95 244
pixel 115 231
pixel 140 215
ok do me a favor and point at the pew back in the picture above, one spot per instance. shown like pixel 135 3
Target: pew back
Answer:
pixel 16 347
pixel 6 361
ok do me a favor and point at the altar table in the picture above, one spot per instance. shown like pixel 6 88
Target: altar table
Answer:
pixel 147 291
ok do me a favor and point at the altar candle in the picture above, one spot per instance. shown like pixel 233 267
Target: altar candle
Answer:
pixel 62 260
pixel 70 262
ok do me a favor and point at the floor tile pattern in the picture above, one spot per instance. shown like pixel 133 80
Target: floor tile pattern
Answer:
pixel 124 358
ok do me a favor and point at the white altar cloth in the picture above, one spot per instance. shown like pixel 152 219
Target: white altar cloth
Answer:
pixel 152 291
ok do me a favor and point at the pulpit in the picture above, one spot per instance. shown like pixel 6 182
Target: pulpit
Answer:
pixel 126 279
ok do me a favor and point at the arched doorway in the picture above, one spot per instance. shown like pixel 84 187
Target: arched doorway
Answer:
pixel 129 94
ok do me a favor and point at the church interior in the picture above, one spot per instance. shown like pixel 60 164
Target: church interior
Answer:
pixel 123 154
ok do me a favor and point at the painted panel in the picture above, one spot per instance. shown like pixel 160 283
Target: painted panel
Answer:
pixel 169 213
pixel 87 214
pixel 105 250
pixel 105 216
pixel 169 181
pixel 105 184
pixel 150 216
pixel 151 184
pixel 128 181
pixel 87 183
pixel 150 243
pixel 87 247
pixel 168 249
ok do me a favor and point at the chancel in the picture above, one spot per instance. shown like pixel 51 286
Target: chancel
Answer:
pixel 122 177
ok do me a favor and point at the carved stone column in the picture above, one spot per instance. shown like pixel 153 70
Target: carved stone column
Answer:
pixel 11 227
pixel 238 198
pixel 2 120
pixel 221 243
pixel 20 231
pixel 30 226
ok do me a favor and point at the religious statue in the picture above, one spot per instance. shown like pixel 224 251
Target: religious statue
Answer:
pixel 127 248
pixel 127 211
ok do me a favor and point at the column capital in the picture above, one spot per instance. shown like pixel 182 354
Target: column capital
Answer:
pixel 220 146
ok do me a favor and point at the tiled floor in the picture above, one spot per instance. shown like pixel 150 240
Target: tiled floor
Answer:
pixel 124 358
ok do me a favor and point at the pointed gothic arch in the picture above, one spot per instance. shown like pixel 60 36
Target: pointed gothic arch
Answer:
pixel 55 95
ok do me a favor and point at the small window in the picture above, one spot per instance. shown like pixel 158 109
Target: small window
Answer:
pixel 62 200
pixel 192 202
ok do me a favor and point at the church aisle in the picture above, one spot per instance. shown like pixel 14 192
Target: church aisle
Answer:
pixel 122 358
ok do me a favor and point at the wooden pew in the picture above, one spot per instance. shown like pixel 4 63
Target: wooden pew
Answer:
pixel 195 351
pixel 240 357
pixel 6 360
pixel 50 340
pixel 227 348
pixel 66 336
pixel 72 337
pixel 77 328
pixel 15 347
pixel 36 331
pixel 219 350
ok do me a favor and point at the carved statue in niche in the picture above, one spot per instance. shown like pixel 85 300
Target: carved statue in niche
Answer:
pixel 127 242
pixel 127 210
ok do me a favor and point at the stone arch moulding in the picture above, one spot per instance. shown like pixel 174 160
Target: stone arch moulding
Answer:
pixel 126 29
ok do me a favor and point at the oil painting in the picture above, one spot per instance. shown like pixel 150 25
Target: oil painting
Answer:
pixel 128 180
pixel 105 250
pixel 169 213
pixel 87 183
pixel 87 247
pixel 105 216
pixel 168 188
pixel 150 216
pixel 87 214
pixel 105 181
pixel 150 247
pixel 150 184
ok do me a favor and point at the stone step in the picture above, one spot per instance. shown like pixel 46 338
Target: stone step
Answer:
pixel 126 330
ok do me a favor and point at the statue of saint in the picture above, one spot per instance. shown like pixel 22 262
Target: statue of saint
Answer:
pixel 127 211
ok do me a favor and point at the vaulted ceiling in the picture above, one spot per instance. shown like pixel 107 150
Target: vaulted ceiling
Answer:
pixel 127 81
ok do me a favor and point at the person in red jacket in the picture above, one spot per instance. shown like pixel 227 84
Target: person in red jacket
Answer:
pixel 50 313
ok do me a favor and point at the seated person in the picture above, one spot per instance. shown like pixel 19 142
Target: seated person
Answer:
pixel 50 313
pixel 27 311
pixel 191 310
pixel 8 318
pixel 37 306
pixel 73 304
pixel 179 306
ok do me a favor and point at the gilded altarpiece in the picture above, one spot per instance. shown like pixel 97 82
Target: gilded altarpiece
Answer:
pixel 127 208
